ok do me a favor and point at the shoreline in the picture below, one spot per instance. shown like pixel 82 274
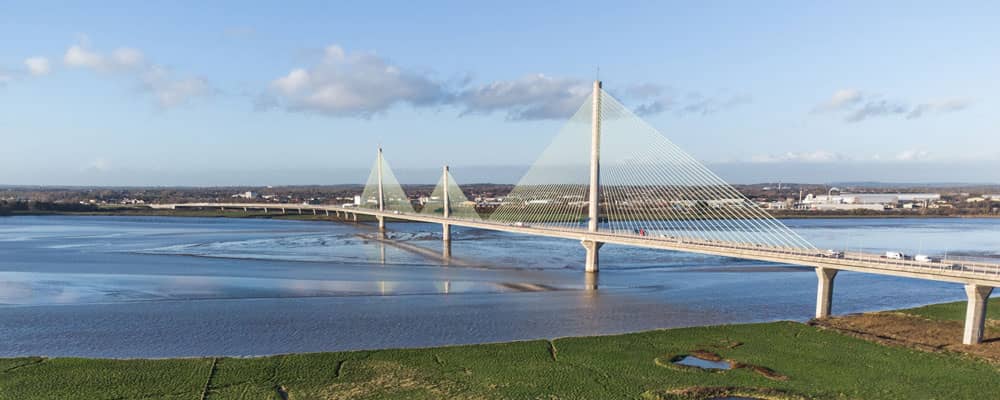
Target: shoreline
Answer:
pixel 776 360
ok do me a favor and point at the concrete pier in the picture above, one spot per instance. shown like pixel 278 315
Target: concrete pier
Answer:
pixel 381 222
pixel 593 212
pixel 593 258
pixel 824 291
pixel 975 313
pixel 446 210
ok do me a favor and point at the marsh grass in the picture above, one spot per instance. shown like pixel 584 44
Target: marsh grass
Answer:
pixel 817 363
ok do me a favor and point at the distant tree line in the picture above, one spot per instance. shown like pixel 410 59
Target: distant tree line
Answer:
pixel 20 206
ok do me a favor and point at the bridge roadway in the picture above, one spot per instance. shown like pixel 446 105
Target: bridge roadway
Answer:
pixel 979 278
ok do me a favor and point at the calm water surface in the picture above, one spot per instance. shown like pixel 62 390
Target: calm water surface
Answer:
pixel 165 287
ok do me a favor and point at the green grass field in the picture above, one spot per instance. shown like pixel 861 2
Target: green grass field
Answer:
pixel 954 311
pixel 817 363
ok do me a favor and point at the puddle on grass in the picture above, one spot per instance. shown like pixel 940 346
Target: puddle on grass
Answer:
pixel 692 361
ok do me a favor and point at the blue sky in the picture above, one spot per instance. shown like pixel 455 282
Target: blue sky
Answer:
pixel 192 94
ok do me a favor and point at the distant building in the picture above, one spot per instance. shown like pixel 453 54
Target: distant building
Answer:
pixel 246 195
pixel 872 201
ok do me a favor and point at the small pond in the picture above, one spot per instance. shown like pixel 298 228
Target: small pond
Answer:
pixel 692 361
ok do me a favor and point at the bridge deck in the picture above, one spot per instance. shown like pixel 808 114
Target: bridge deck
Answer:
pixel 960 271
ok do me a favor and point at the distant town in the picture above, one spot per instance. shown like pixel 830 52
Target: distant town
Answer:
pixel 779 199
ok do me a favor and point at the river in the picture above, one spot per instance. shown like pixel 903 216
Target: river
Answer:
pixel 170 287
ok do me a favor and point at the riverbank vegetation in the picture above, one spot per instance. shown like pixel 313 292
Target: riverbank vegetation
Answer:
pixel 933 328
pixel 780 360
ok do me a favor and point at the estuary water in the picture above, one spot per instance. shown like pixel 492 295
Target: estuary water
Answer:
pixel 172 287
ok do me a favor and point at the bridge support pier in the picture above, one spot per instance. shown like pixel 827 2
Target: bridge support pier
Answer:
pixel 593 248
pixel 824 291
pixel 381 222
pixel 975 313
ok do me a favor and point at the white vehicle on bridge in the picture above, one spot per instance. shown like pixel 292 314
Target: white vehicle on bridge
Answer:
pixel 833 254
pixel 895 255
pixel 925 258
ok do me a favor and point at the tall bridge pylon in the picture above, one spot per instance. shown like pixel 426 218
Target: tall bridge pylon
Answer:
pixel 606 171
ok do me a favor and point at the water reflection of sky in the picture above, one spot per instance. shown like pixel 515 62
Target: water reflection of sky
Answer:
pixel 339 258
pixel 59 272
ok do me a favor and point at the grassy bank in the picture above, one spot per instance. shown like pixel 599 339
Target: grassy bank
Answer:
pixel 777 360
pixel 953 311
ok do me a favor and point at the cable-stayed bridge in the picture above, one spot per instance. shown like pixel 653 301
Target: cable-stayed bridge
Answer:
pixel 608 177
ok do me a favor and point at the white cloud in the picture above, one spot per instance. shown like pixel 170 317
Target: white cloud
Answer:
pixel 912 155
pixel 362 84
pixel 122 58
pixel 939 107
pixel 291 83
pixel 167 89
pixel 530 97
pixel 358 84
pixel 825 156
pixel 840 99
pixel 127 57
pixel 544 97
pixel 77 56
pixel 170 91
pixel 818 156
pixel 857 106
pixel 37 66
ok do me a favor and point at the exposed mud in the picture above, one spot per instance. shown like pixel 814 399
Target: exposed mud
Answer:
pixel 898 329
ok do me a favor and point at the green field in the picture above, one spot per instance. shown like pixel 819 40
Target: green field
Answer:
pixel 954 311
pixel 814 363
